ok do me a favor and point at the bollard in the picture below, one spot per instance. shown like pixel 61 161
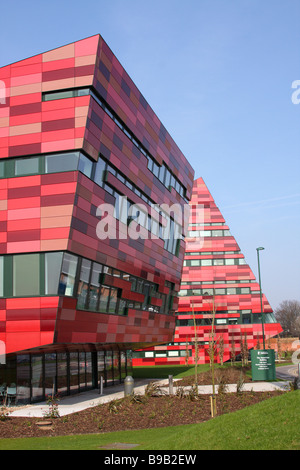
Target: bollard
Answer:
pixel 128 386
pixel 171 390
pixel 101 386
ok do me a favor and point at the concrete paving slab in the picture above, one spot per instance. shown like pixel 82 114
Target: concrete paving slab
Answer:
pixel 75 403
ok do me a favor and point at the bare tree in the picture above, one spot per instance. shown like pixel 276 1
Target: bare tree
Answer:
pixel 232 352
pixel 221 349
pixel 196 344
pixel 187 354
pixel 244 350
pixel 288 315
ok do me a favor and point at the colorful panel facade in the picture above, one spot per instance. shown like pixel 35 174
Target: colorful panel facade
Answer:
pixel 216 278
pixel 76 133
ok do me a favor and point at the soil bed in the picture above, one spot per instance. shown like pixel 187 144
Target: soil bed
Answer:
pixel 143 411
pixel 128 414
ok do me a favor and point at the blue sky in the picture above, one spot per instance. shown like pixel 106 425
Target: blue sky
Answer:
pixel 218 73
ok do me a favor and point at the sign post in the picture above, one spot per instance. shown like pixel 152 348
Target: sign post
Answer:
pixel 263 364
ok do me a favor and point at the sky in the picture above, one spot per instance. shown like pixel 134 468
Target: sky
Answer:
pixel 219 75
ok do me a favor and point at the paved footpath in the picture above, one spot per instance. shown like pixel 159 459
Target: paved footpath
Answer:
pixel 75 403
pixel 287 372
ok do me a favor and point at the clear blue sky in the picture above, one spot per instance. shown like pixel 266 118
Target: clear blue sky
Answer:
pixel 218 73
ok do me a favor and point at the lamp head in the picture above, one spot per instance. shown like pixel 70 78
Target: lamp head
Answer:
pixel 260 248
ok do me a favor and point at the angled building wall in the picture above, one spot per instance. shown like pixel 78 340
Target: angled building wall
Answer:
pixel 76 133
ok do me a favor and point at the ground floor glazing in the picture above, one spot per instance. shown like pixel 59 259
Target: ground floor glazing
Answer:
pixel 30 378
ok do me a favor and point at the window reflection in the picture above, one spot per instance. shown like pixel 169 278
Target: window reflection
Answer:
pixel 67 277
pixel 84 283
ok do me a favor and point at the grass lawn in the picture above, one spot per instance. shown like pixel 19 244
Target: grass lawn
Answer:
pixel 273 424
pixel 163 372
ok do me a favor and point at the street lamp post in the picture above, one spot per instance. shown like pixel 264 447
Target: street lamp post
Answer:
pixel 261 303
pixel 262 362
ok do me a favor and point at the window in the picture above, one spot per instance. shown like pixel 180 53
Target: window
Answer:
pixel 113 300
pixel 245 290
pixel 195 262
pixel 26 166
pixel 149 354
pixel 104 299
pixel 85 165
pixel 62 162
pixel 94 288
pixel 231 291
pixel 206 262
pixel 162 172
pixel 221 291
pixel 83 283
pixel 23 283
pixel 67 278
pixel 155 169
pixel 217 233
pixel 218 262
pixel 52 271
pixel 57 96
pixel 229 262
pixel 100 171
pixel 208 292
pixel 168 179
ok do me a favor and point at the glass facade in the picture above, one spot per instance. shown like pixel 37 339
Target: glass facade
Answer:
pixel 30 378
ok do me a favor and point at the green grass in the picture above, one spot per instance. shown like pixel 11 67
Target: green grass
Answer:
pixel 273 424
pixel 163 372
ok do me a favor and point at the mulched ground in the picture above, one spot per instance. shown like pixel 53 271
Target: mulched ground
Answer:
pixel 137 412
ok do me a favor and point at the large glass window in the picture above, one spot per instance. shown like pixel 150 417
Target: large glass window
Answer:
pixel 53 263
pixel 67 278
pixel 104 299
pixel 85 165
pixel 82 371
pixel 24 284
pixel 84 283
pixel 94 289
pixel 89 369
pixel 123 365
pixel 23 378
pixel 26 166
pixel 37 377
pixel 109 368
pixel 101 365
pixel 231 291
pixel 113 300
pixel 74 372
pixel 50 373
pixel 58 95
pixel 62 379
pixel 62 162
pixel 99 171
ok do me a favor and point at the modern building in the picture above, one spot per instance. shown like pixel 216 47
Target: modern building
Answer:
pixel 216 279
pixel 77 293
